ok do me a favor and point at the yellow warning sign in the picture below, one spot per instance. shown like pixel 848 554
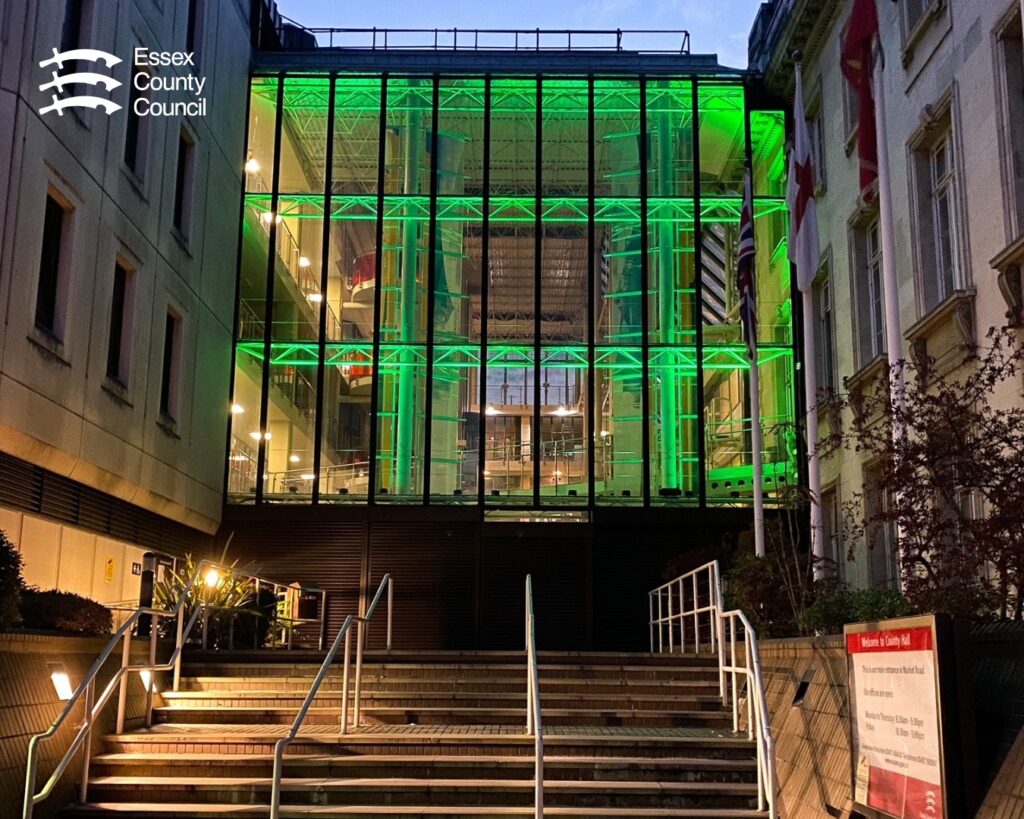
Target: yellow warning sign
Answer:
pixel 108 570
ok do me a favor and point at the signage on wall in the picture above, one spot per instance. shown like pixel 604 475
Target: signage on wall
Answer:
pixel 894 692
pixel 136 568
pixel 108 570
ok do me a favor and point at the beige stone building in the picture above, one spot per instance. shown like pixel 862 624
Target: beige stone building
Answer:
pixel 954 101
pixel 117 276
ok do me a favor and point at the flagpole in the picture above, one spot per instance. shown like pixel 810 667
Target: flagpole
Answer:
pixel 890 292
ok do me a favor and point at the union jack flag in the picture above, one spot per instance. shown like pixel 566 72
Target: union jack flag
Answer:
pixel 745 271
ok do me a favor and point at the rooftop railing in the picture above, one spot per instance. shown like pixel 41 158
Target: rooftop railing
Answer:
pixel 644 41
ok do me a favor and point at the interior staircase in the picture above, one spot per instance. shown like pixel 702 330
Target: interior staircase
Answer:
pixel 442 735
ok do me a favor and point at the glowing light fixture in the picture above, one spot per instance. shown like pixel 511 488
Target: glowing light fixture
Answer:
pixel 491 410
pixel 148 683
pixel 294 458
pixel 308 476
pixel 237 409
pixel 252 165
pixel 255 435
pixel 316 298
pixel 304 261
pixel 61 681
pixel 211 578
pixel 604 433
pixel 269 216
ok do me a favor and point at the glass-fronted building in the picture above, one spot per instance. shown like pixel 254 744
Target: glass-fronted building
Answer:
pixel 508 283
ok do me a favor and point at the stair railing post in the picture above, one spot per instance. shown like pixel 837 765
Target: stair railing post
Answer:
pixel 344 681
pixel 391 600
pixel 360 637
pixel 122 691
pixel 650 617
pixel 696 618
pixel 90 698
pixel 671 626
pixel 152 672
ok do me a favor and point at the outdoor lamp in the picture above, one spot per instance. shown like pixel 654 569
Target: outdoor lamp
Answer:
pixel 61 681
pixel 148 684
pixel 211 578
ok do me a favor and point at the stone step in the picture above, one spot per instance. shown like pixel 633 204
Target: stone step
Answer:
pixel 509 741
pixel 704 684
pixel 465 698
pixel 632 768
pixel 150 810
pixel 444 715
pixel 412 791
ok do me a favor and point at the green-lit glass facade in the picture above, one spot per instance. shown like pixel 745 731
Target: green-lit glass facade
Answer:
pixel 507 290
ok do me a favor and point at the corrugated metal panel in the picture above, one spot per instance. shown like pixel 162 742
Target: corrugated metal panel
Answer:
pixel 328 554
pixel 59 499
pixel 21 484
pixel 557 557
pixel 434 568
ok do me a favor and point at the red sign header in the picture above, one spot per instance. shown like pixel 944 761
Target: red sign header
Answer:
pixel 900 639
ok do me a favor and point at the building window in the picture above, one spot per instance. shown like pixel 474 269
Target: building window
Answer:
pixel 52 288
pixel 136 133
pixel 851 107
pixel 943 217
pixel 832 531
pixel 170 371
pixel 825 309
pixel 1010 83
pixel 119 336
pixel 816 131
pixel 194 26
pixel 183 183
pixel 868 291
pixel 913 12
pixel 73 33
pixel 880 533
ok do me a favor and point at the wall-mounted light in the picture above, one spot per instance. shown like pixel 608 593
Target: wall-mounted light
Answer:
pixel 211 578
pixel 61 681
pixel 269 216
pixel 308 476
pixel 237 409
pixel 256 435
pixel 148 683
pixel 294 458
pixel 304 261
pixel 604 433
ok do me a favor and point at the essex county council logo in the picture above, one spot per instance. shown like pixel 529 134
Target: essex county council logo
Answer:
pixel 59 81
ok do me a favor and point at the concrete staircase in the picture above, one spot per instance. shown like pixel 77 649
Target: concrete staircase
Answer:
pixel 626 735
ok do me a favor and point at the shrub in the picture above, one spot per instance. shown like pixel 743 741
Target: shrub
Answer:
pixel 11 583
pixel 63 611
pixel 836 606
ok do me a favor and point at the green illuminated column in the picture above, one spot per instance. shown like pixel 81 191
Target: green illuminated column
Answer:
pixel 667 309
pixel 407 308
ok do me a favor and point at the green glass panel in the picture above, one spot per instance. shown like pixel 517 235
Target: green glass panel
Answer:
pixel 259 157
pixel 455 425
pixel 304 135
pixel 401 417
pixel 768 152
pixel 672 395
pixel 670 137
pixel 618 442
pixel 356 150
pixel 722 138
pixel 508 413
pixel 617 137
pixel 513 137
pixel 563 426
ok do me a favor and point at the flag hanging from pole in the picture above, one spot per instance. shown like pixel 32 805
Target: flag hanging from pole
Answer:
pixel 745 271
pixel 804 245
pixel 857 65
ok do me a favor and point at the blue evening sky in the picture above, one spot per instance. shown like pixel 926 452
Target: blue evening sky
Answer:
pixel 715 26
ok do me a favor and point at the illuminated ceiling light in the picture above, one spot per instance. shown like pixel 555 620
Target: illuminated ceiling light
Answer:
pixel 563 411
pixel 487 473
pixel 239 457
pixel 61 681
pixel 211 578
pixel 237 409
pixel 304 261
pixel 147 681
pixel 308 476
pixel 491 410
pixel 294 458
pixel 316 298
pixel 604 433
pixel 255 435
pixel 269 216
pixel 252 165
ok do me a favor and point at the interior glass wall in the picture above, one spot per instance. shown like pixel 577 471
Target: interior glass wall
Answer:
pixel 508 291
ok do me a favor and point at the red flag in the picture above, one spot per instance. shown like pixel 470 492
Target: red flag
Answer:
pixel 858 46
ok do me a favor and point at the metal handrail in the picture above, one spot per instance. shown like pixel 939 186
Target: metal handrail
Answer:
pixel 344 634
pixel 87 688
pixel 534 721
pixel 669 606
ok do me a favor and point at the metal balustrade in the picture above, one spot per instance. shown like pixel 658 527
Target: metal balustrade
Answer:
pixel 534 720
pixel 94 705
pixel 687 614
pixel 344 636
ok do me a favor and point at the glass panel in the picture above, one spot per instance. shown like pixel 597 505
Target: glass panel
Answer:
pixel 672 302
pixel 245 422
pixel 768 152
pixel 345 446
pixel 722 139
pixel 617 137
pixel 720 219
pixel 618 459
pixel 670 137
pixel 564 136
pixel 618 269
pixel 508 469
pixel 513 137
pixel 455 425
pixel 304 135
pixel 778 425
pixel 727 425
pixel 409 125
pixel 297 268
pixel 400 423
pixel 673 426
pixel 772 272
pixel 563 433
pixel 259 157
pixel 564 270
pixel 291 410
pixel 356 134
